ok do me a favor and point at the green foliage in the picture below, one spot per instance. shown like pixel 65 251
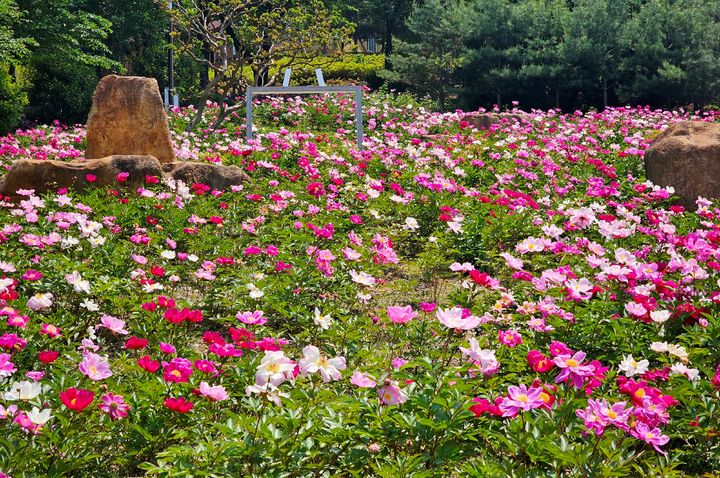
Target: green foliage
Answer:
pixel 12 102
pixel 429 63
pixel 355 68
pixel 11 47
pixel 567 53
pixel 68 57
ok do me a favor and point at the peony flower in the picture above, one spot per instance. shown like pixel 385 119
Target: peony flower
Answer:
pixel 652 436
pixel 275 368
pixel 113 324
pixel 114 405
pixel 313 361
pixel 453 319
pixel 362 380
pixel 362 278
pixel 572 369
pixel 179 405
pixel 323 321
pixel 77 399
pixel 251 318
pixel 521 398
pixel 401 314
pixel 178 370
pixel 391 394
pixel 148 364
pixel 24 391
pixel 631 367
pixel 95 367
pixel 216 393
pixel 40 301
pixel 484 359
pixel 7 368
pixel 78 283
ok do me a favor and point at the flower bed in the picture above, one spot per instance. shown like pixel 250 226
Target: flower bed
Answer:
pixel 448 302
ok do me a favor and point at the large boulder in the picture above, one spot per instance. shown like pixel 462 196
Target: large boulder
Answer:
pixel 214 175
pixel 686 156
pixel 128 117
pixel 485 120
pixel 43 176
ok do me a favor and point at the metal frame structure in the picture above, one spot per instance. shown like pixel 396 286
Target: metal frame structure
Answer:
pixel 305 90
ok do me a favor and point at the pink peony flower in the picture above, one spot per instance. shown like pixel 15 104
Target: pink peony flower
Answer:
pixel 113 324
pixel 362 380
pixel 521 398
pixel 455 319
pixel 391 394
pixel 215 393
pixel 401 314
pixel 7 368
pixel 95 367
pixel 251 318
pixel 114 405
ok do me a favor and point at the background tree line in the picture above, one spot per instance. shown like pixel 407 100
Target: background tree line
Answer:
pixel 561 53
pixel 462 53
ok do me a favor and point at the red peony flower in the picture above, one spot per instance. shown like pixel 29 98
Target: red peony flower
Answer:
pixel 48 356
pixel 76 399
pixel 135 343
pixel 179 405
pixel 147 363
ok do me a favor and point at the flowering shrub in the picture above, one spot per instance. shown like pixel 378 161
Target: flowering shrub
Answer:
pixel 447 302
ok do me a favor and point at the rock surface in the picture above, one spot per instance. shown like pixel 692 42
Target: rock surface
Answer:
pixel 485 120
pixel 128 117
pixel 43 176
pixel 686 156
pixel 214 175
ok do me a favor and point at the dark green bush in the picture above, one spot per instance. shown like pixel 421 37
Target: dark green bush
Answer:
pixel 12 102
pixel 60 90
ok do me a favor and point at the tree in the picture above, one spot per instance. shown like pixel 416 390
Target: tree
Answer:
pixel 672 52
pixel 63 65
pixel 430 62
pixel 386 17
pixel 544 69
pixel 592 45
pixel 250 39
pixel 12 47
pixel 495 57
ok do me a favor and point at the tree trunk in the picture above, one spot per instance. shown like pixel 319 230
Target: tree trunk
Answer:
pixel 605 92
pixel 388 41
pixel 205 69
pixel 390 27
pixel 441 98
pixel 499 102
pixel 557 97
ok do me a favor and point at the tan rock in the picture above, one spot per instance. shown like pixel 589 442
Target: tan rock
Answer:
pixel 686 156
pixel 43 176
pixel 485 120
pixel 128 117
pixel 214 175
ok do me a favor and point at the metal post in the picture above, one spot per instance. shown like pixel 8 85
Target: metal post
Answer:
pixel 248 113
pixel 359 118
pixel 171 55
pixel 286 80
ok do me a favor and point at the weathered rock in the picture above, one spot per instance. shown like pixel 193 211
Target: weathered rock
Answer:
pixel 128 117
pixel 214 175
pixel 686 156
pixel 43 176
pixel 485 120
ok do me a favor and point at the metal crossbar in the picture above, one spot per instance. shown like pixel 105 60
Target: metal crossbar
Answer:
pixel 305 90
